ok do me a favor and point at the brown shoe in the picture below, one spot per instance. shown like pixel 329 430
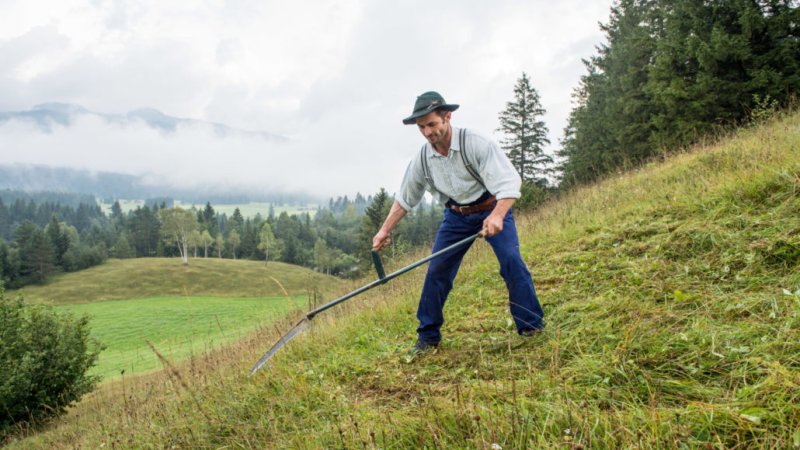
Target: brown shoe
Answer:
pixel 530 332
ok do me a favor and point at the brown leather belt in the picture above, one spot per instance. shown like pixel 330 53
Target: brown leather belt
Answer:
pixel 486 205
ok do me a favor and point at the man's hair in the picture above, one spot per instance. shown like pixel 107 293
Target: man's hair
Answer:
pixel 441 113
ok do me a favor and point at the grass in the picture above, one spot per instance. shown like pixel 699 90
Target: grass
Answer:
pixel 177 326
pixel 181 310
pixel 672 296
pixel 154 277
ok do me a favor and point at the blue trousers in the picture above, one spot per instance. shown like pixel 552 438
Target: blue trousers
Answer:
pixel 524 304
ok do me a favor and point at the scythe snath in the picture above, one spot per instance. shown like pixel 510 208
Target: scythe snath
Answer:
pixel 305 322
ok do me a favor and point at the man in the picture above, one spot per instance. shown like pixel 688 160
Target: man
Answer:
pixel 478 185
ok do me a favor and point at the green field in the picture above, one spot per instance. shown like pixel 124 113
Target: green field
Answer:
pixel 177 326
pixel 182 310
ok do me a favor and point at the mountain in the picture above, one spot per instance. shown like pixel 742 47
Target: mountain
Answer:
pixel 35 178
pixel 47 115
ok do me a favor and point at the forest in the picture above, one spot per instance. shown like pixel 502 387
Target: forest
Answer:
pixel 40 237
pixel 674 72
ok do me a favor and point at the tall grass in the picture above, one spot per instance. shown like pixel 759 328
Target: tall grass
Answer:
pixel 673 306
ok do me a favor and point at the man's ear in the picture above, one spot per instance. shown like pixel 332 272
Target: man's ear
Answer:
pixel 447 116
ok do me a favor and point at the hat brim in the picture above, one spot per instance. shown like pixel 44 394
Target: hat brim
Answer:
pixel 412 119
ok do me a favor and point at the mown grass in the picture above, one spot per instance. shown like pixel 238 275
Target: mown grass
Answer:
pixel 177 326
pixel 673 306
pixel 120 279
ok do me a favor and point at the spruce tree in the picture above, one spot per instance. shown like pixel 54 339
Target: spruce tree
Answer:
pixel 525 134
pixel 36 253
pixel 58 239
pixel 373 218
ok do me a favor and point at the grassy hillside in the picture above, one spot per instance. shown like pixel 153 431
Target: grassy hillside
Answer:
pixel 120 279
pixel 672 297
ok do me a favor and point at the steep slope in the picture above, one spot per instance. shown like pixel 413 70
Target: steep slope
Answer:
pixel 673 303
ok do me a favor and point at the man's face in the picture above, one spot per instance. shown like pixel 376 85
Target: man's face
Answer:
pixel 434 127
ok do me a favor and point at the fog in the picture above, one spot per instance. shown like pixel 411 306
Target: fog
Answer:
pixel 334 77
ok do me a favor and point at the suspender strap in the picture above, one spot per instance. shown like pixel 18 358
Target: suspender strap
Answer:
pixel 462 144
pixel 426 170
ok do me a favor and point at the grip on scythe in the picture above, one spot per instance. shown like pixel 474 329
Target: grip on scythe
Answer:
pixel 376 259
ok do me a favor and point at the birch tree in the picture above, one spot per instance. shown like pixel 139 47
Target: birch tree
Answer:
pixel 206 240
pixel 177 225
pixel 268 243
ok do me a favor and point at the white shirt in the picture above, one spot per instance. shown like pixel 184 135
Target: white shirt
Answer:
pixel 451 178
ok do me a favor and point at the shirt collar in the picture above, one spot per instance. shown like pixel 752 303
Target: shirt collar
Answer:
pixel 454 144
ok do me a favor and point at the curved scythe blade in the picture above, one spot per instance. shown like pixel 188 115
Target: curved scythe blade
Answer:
pixel 297 329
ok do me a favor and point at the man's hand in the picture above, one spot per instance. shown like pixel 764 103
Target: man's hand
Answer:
pixel 381 240
pixel 492 225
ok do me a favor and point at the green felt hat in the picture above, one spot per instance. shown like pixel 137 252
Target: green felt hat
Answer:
pixel 427 103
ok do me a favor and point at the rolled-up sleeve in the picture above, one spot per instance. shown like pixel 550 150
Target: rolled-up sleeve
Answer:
pixel 499 175
pixel 413 186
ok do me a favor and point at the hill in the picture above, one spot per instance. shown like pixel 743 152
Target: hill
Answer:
pixel 673 305
pixel 137 303
pixel 120 279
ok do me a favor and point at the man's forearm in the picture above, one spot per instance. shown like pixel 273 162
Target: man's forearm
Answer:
pixel 396 213
pixel 493 223
pixel 502 207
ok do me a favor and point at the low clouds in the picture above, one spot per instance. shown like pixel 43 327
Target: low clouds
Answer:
pixel 334 76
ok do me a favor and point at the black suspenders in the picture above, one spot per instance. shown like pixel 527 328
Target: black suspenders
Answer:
pixel 462 143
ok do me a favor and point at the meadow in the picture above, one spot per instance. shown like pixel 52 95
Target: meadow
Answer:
pixel 177 327
pixel 181 310
pixel 672 301
pixel 120 279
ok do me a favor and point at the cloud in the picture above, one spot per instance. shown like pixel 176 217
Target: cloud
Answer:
pixel 336 76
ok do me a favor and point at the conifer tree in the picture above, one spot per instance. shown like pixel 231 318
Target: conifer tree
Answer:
pixel 373 218
pixel 525 134
pixel 35 251
pixel 672 72
pixel 58 240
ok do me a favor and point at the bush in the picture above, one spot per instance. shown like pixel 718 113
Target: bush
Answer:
pixel 532 196
pixel 81 256
pixel 44 358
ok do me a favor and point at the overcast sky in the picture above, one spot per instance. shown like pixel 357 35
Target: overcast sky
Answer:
pixel 334 76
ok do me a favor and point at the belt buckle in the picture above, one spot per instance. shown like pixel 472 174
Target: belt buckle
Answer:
pixel 462 209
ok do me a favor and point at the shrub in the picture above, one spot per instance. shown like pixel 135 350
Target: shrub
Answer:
pixel 44 358
pixel 81 256
pixel 532 196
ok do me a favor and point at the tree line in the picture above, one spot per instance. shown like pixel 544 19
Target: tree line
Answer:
pixel 669 74
pixel 39 240
pixel 673 72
